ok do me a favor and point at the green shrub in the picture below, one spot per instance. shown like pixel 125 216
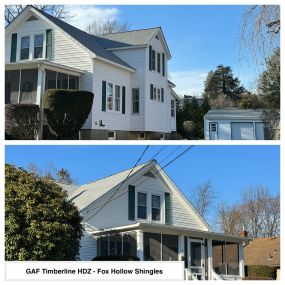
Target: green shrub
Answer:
pixel 260 271
pixel 40 224
pixel 22 121
pixel 66 111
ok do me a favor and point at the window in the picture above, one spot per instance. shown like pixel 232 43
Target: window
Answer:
pixel 161 136
pixel 38 46
pixel 142 205
pixel 158 62
pixel 117 98
pixel 158 98
pixel 111 135
pixel 172 108
pixel 25 48
pixel 213 127
pixel 136 100
pixel 157 94
pixel 110 96
pixel 155 208
pixel 142 136
pixel 153 60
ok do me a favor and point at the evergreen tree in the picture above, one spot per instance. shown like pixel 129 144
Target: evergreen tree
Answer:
pixel 269 82
pixel 221 86
pixel 40 224
pixel 64 176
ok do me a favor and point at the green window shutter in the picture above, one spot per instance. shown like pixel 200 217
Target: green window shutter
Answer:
pixel 131 213
pixel 151 91
pixel 158 62
pixel 163 64
pixel 162 95
pixel 13 54
pixel 104 96
pixel 167 208
pixel 149 57
pixel 48 43
pixel 123 100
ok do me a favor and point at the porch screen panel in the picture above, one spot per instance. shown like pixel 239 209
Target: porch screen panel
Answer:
pixel 50 80
pixel 152 247
pixel 130 244
pixel 219 264
pixel 102 246
pixel 232 258
pixel 12 86
pixel 195 252
pixel 29 79
pixel 62 81
pixel 115 244
pixel 169 248
pixel 73 82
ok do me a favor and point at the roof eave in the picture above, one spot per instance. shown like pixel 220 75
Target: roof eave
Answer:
pixel 113 63
pixel 128 47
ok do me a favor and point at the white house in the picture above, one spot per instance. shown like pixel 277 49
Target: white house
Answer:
pixel 233 124
pixel 144 214
pixel 127 72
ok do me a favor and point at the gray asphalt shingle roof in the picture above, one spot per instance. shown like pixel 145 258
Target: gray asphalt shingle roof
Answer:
pixel 128 39
pixel 88 193
pixel 234 114
pixel 90 42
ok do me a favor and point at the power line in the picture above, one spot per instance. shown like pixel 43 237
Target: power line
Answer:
pixel 122 183
pixel 161 168
pixel 171 153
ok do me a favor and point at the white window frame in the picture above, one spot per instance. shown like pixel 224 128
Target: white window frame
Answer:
pixel 139 136
pixel 110 85
pixel 137 100
pixel 20 47
pixel 146 206
pixel 172 108
pixel 117 99
pixel 160 207
pixel 112 137
pixel 34 37
pixel 156 94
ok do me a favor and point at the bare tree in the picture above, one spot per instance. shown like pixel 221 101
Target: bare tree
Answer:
pixel 101 26
pixel 203 198
pixel 260 31
pixel 59 11
pixel 229 218
pixel 258 212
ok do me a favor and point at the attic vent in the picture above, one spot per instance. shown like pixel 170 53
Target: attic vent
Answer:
pixel 157 37
pixel 149 174
pixel 32 18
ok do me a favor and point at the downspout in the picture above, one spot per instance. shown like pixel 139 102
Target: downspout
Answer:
pixel 40 134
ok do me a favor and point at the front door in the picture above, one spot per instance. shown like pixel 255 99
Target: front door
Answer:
pixel 196 258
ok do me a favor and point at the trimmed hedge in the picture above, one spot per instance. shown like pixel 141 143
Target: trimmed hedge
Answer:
pixel 260 272
pixel 22 121
pixel 66 111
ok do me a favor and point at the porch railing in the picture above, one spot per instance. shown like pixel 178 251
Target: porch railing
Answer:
pixel 188 275
pixel 214 275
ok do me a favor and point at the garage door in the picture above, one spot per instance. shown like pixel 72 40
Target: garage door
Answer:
pixel 242 131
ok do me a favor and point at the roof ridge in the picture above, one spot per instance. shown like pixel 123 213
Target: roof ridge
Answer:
pixel 130 31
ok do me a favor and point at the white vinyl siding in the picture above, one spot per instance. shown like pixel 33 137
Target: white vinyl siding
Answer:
pixel 113 120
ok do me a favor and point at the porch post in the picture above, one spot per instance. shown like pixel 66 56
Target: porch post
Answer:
pixel 20 82
pixel 140 254
pixel 39 99
pixel 241 260
pixel 210 259
pixel 181 253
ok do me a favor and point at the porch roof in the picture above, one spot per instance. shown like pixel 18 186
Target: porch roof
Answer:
pixel 168 229
pixel 44 64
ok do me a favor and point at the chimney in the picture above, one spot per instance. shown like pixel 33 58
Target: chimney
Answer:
pixel 243 233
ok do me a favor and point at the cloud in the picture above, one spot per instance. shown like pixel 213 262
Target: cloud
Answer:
pixel 84 14
pixel 188 82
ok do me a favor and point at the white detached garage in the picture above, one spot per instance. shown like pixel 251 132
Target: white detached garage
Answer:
pixel 233 124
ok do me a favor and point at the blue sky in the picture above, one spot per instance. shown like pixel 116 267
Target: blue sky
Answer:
pixel 230 169
pixel 199 38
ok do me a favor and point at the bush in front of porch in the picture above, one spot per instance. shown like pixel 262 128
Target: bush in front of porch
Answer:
pixel 66 111
pixel 22 121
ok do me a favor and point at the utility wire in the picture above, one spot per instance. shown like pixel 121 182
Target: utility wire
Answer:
pixel 160 169
pixel 121 184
